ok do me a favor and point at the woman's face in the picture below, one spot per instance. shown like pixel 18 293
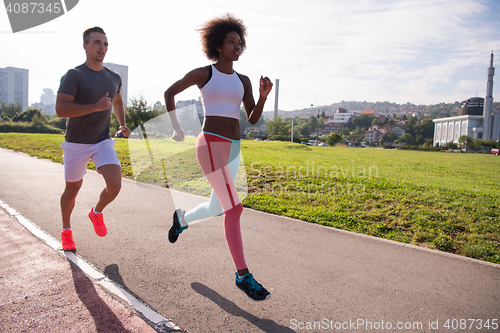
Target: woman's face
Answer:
pixel 232 47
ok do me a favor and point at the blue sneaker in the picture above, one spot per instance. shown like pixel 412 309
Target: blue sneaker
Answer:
pixel 254 290
pixel 178 225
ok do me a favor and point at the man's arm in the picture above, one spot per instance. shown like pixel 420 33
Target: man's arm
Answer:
pixel 119 110
pixel 65 106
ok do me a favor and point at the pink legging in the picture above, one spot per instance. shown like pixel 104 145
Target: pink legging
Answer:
pixel 213 153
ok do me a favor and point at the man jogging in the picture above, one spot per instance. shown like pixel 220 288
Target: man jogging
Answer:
pixel 85 96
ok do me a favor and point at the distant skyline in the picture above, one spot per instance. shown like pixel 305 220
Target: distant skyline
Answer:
pixel 322 51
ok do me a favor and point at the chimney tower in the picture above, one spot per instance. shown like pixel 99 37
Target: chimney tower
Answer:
pixel 488 102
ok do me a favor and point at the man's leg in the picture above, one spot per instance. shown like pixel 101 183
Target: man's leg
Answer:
pixel 68 201
pixel 112 174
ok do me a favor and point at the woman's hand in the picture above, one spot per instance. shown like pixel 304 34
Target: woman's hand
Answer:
pixel 178 134
pixel 265 86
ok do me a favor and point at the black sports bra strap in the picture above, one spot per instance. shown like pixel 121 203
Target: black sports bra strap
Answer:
pixel 209 75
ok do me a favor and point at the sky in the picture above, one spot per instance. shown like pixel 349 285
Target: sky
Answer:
pixel 322 51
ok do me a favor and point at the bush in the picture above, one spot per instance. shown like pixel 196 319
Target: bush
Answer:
pixel 22 127
pixel 31 115
pixel 333 138
pixel 58 123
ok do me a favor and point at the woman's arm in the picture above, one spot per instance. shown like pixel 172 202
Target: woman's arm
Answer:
pixel 254 111
pixel 195 77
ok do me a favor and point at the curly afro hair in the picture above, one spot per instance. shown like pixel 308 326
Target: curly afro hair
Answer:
pixel 213 32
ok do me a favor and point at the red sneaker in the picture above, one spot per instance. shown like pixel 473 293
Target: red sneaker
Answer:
pixel 67 241
pixel 98 222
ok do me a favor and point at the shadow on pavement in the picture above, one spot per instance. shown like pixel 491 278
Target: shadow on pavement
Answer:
pixel 105 319
pixel 266 325
pixel 113 272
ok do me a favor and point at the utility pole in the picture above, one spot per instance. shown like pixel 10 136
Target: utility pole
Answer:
pixel 317 127
pixel 277 91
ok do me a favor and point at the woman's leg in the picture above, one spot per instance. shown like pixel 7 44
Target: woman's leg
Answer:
pixel 213 154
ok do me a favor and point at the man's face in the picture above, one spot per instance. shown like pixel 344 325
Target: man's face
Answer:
pixel 97 47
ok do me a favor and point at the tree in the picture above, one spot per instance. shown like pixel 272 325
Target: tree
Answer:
pixel 333 138
pixel 486 144
pixel 390 136
pixel 136 114
pixel 423 130
pixel 364 120
pixel 345 131
pixel 313 122
pixel 407 138
pixel 243 121
pixel 321 122
pixel 450 145
pixel 251 135
pixel 278 129
pixel 412 120
pixel 465 141
pixel 304 129
pixel 9 111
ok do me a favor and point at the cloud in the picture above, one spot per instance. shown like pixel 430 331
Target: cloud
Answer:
pixel 323 51
pixel 471 86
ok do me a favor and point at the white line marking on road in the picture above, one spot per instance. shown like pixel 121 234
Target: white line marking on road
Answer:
pixel 161 323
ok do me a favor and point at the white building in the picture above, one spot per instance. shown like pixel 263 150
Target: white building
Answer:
pixel 14 86
pixel 48 97
pixel 398 131
pixel 475 118
pixel 374 134
pixel 121 70
pixel 47 102
pixel 197 103
pixel 344 116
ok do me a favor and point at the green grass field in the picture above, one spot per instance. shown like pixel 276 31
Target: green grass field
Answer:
pixel 447 201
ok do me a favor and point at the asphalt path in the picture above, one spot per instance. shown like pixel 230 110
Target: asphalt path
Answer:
pixel 321 279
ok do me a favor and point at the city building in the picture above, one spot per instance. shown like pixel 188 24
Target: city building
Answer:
pixel 374 134
pixel 14 86
pixel 48 97
pixel 344 116
pixel 383 129
pixel 197 103
pixel 475 118
pixel 47 102
pixel 121 70
pixel 398 131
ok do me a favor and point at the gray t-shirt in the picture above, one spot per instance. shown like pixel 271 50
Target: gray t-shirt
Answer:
pixel 87 87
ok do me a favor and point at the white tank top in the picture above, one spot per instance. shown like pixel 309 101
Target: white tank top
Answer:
pixel 222 94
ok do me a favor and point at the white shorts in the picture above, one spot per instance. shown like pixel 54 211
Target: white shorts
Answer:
pixel 77 155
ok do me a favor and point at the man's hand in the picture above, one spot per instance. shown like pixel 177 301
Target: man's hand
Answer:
pixel 125 131
pixel 104 103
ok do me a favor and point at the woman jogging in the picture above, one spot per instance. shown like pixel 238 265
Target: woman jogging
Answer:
pixel 218 146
